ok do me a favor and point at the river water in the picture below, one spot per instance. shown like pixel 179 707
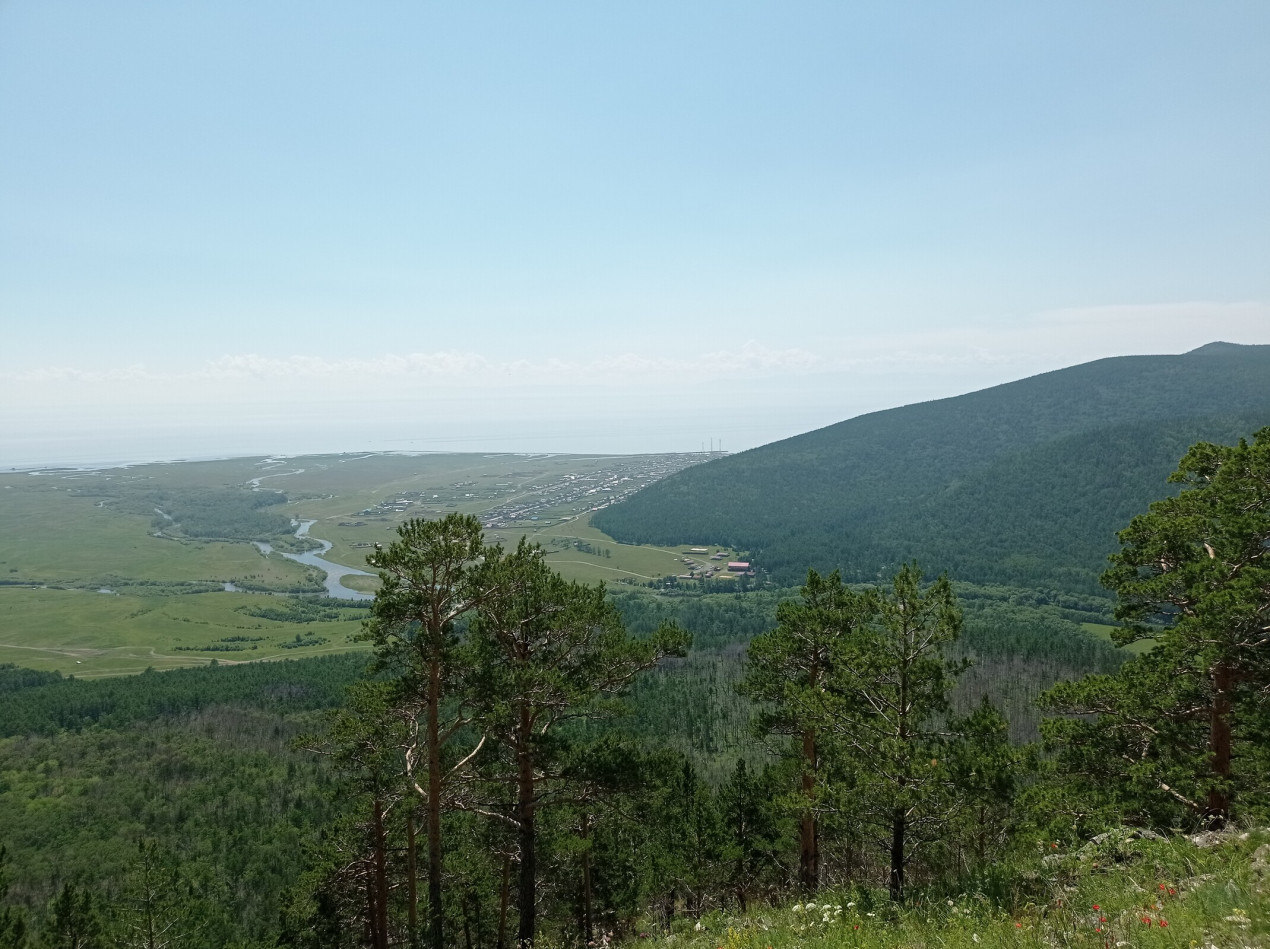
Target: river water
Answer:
pixel 335 572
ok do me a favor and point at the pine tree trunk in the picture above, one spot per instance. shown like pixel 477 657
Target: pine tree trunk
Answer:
pixel 808 855
pixel 435 910
pixel 504 896
pixel 897 855
pixel 527 895
pixel 588 930
pixel 412 876
pixel 381 877
pixel 1220 741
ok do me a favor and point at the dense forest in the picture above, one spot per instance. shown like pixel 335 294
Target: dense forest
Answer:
pixel 1024 483
pixel 524 759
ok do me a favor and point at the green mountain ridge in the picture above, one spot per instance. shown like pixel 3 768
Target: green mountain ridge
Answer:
pixel 1024 483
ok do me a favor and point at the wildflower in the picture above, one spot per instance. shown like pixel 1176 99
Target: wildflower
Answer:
pixel 1096 906
pixel 950 902
pixel 810 906
pixel 698 927
pixel 1163 923
pixel 974 936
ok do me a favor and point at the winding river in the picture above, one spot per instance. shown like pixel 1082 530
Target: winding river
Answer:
pixel 335 572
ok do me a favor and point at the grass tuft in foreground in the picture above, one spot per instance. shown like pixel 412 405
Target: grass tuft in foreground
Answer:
pixel 1130 893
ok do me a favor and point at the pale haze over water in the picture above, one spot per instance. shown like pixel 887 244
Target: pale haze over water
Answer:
pixel 287 228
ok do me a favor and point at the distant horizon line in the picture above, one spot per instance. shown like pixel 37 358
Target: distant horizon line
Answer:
pixel 65 466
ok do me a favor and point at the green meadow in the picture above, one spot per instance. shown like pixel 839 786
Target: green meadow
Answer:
pixel 100 573
pixel 1104 632
pixel 85 633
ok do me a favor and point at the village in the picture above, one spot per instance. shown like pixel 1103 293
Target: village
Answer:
pixel 519 502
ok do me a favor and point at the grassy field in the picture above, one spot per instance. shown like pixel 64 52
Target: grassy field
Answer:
pixel 1104 632
pixel 66 535
pixel 84 633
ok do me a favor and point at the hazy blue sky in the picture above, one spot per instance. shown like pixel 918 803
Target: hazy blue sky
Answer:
pixel 246 226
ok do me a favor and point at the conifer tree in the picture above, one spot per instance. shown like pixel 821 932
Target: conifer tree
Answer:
pixel 752 832
pixel 1194 573
pixel 74 920
pixel 545 651
pixel 789 669
pixel 427 584
pixel 13 932
pixel 885 704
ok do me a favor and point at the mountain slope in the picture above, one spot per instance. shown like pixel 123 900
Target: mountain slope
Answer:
pixel 1024 483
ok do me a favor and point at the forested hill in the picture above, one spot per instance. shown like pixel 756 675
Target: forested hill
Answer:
pixel 1024 483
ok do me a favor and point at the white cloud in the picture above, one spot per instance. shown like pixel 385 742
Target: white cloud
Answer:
pixel 445 366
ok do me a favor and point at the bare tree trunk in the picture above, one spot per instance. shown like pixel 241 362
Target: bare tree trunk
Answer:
pixel 897 855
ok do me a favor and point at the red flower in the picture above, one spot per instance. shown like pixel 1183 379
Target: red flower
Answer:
pixel 1163 923
pixel 1095 906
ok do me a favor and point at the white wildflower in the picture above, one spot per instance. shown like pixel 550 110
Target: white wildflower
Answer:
pixel 798 907
pixel 974 936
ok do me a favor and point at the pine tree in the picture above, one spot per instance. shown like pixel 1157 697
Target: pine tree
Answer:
pixel 74 921
pixel 1181 726
pixel 752 830
pixel 788 670
pixel 544 652
pixel 427 585
pixel 885 704
pixel 13 932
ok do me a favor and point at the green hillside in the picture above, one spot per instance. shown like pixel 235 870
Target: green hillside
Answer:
pixel 1024 483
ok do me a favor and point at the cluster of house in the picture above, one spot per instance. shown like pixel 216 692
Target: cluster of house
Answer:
pixel 698 570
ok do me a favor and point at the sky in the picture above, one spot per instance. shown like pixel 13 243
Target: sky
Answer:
pixel 285 227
